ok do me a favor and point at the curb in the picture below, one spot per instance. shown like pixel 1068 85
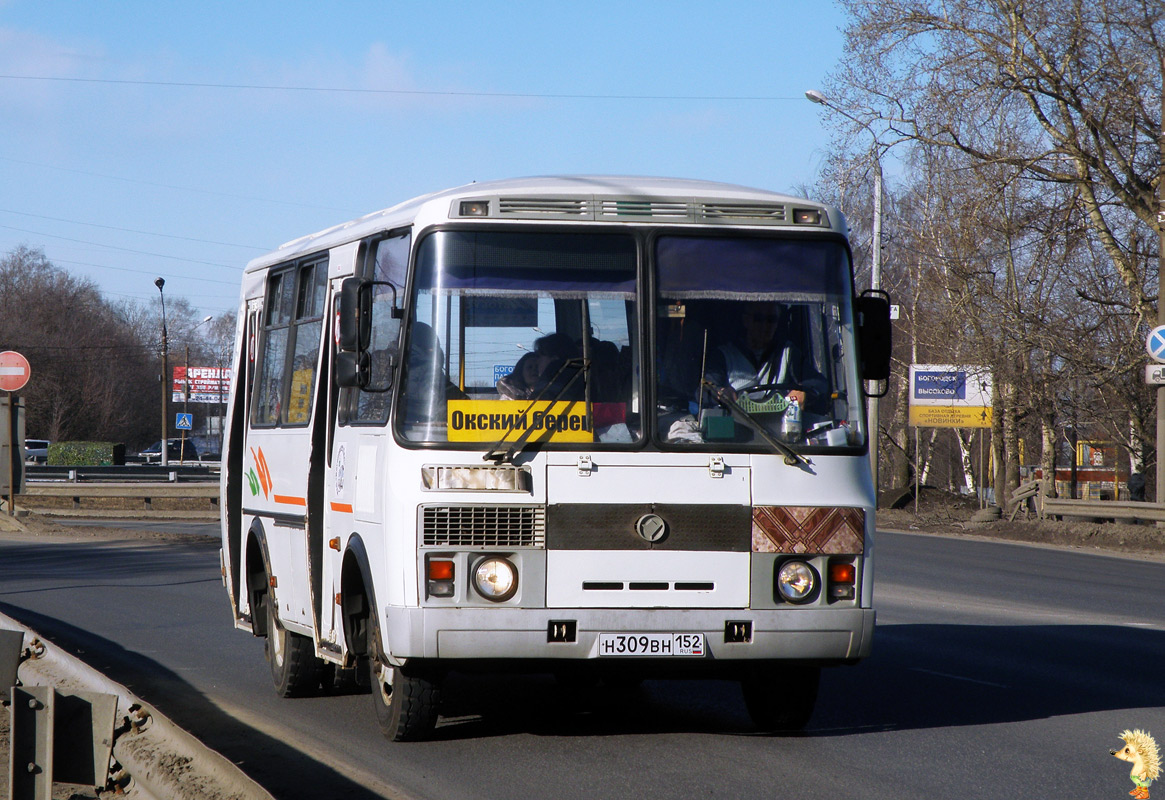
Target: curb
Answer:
pixel 164 761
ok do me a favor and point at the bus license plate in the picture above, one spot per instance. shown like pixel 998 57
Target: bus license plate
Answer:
pixel 651 644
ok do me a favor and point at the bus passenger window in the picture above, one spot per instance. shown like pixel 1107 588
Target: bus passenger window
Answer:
pixel 293 324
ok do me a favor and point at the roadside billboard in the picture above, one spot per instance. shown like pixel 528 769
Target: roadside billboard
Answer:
pixel 207 384
pixel 950 396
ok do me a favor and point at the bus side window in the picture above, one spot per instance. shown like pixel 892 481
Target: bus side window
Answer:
pixel 309 312
pixel 292 326
pixel 268 403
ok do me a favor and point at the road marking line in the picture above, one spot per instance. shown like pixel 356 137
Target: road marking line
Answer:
pixel 959 678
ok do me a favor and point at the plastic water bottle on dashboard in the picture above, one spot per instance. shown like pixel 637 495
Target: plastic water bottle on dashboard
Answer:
pixel 791 422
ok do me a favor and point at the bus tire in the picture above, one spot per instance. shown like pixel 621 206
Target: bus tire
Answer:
pixel 295 669
pixel 781 699
pixel 405 702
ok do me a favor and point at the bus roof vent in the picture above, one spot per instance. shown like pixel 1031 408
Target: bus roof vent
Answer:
pixel 751 212
pixel 654 209
pixel 545 207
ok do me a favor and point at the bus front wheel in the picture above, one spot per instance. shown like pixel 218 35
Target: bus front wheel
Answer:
pixel 405 701
pixel 781 699
pixel 295 669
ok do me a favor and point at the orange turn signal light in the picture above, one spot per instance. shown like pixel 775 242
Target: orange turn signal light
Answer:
pixel 440 570
pixel 842 573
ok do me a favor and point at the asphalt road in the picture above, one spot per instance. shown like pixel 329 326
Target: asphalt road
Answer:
pixel 998 670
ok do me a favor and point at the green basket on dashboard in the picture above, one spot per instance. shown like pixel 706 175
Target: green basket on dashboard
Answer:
pixel 774 405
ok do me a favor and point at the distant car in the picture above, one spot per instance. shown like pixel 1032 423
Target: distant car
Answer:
pixel 174 451
pixel 208 447
pixel 36 451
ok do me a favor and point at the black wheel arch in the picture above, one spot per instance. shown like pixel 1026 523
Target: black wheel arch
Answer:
pixel 258 563
pixel 357 596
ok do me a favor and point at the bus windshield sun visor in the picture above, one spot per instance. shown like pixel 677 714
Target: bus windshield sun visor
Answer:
pixel 789 270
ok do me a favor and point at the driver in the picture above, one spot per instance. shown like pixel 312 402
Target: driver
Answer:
pixel 758 356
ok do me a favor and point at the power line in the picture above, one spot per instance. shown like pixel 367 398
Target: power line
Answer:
pixel 172 186
pixel 123 249
pixel 131 230
pixel 405 92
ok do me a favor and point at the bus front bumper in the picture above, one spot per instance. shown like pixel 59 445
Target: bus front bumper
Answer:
pixel 802 634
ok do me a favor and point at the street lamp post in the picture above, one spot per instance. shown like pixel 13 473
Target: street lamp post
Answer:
pixel 817 97
pixel 160 282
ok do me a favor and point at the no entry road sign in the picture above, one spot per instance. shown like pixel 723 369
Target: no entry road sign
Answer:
pixel 1155 344
pixel 14 371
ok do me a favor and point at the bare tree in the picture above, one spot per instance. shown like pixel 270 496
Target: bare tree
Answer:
pixel 1036 242
pixel 89 370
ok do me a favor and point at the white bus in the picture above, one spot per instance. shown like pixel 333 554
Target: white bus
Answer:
pixel 510 426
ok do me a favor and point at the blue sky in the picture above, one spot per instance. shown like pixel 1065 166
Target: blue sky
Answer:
pixel 129 150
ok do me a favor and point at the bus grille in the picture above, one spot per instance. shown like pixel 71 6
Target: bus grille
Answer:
pixel 484 526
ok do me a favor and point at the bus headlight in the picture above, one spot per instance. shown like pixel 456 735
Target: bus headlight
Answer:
pixel 495 578
pixel 475 478
pixel 796 582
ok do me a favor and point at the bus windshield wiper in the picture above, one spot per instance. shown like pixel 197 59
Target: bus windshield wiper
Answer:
pixel 581 367
pixel 792 457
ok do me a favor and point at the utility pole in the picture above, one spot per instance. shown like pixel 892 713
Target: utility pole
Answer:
pixel 160 282
pixel 817 97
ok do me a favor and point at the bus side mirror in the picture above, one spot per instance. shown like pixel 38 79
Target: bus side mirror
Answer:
pixel 355 323
pixel 353 370
pixel 873 313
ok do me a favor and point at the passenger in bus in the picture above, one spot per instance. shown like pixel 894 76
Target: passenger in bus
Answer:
pixel 519 384
pixel 765 352
pixel 427 387
pixel 542 371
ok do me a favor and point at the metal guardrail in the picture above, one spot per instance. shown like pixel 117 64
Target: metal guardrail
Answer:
pixel 173 473
pixel 151 756
pixel 146 492
pixel 1049 508
pixel 1104 509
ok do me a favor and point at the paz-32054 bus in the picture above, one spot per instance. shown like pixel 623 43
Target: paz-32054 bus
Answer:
pixel 532 424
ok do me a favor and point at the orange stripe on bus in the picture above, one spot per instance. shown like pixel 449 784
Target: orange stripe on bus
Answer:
pixel 344 507
pixel 288 500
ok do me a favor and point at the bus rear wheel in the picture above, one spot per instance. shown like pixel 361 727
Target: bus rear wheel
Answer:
pixel 781 699
pixel 295 669
pixel 405 701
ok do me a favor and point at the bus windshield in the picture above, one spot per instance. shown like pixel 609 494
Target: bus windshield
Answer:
pixel 527 337
pixel 755 336
pixel 522 335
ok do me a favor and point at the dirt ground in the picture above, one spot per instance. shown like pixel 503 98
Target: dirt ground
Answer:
pixel 944 513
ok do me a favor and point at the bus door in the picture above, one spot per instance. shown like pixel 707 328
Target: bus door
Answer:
pixel 232 469
pixel 279 434
pixel 358 452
